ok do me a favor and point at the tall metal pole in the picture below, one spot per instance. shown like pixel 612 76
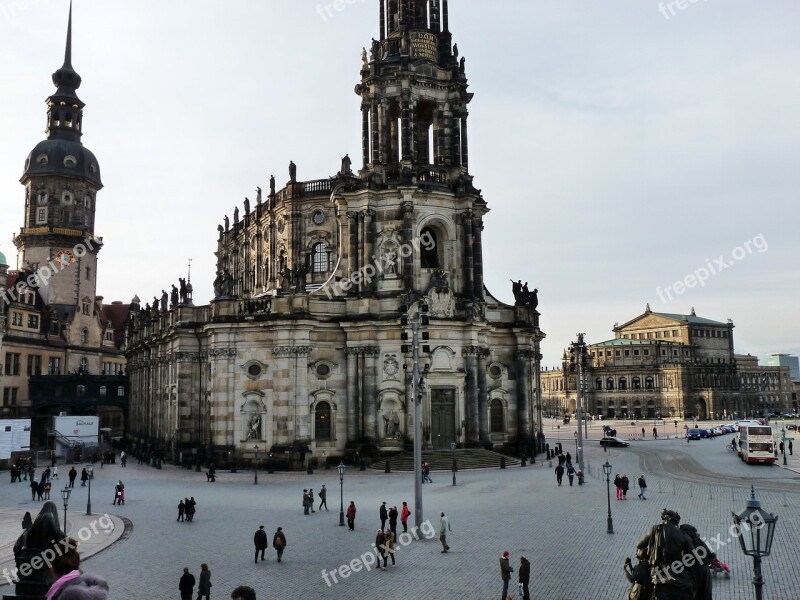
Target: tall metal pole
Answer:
pixel 609 522
pixel 578 361
pixel 758 579
pixel 417 426
pixel 585 406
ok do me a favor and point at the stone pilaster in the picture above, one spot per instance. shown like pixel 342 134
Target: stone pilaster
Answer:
pixel 470 354
pixel 483 397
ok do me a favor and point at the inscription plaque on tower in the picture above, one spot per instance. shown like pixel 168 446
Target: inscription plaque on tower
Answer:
pixel 424 45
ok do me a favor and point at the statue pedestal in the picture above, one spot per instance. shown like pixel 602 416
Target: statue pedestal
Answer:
pixel 391 445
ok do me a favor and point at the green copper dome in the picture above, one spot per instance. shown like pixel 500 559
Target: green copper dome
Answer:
pixel 3 259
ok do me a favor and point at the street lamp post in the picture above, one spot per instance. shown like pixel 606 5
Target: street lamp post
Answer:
pixel 783 441
pixel 576 443
pixel 453 448
pixel 607 471
pixel 255 471
pixel 65 497
pixel 754 541
pixel 90 470
pixel 577 358
pixel 341 468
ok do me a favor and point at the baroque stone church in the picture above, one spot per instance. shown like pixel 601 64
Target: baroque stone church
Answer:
pixel 302 346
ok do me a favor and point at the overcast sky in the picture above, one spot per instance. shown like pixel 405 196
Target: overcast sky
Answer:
pixel 620 146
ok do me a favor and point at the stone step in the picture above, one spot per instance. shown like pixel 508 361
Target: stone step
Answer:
pixel 442 460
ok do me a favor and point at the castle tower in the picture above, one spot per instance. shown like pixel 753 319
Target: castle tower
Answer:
pixel 61 180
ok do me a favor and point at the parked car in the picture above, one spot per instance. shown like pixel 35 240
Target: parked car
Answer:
pixel 693 434
pixel 789 415
pixel 705 433
pixel 614 442
pixel 792 427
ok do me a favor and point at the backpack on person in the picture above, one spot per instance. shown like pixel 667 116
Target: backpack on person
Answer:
pixel 277 542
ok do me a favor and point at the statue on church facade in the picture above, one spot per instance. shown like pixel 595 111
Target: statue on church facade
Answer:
pixel 173 296
pixel 164 301
pixel 183 293
pixel 292 171
pixel 246 206
pixel 272 185
pixel 346 168
pixel 254 427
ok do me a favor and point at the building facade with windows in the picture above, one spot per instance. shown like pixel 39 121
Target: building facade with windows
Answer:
pixel 669 366
pixel 54 322
pixel 302 345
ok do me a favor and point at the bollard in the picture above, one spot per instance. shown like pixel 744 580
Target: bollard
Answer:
pixel 659 486
pixel 523 462
pixel 784 499
pixel 691 491
pixel 673 487
pixel 310 469
pixel 502 462
pixel 710 494
pixel 387 468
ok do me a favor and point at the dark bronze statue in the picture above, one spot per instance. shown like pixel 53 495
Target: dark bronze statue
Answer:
pixel 246 206
pixel 272 185
pixel 523 297
pixel 292 171
pixel 183 294
pixel 173 297
pixel 346 162
pixel 37 542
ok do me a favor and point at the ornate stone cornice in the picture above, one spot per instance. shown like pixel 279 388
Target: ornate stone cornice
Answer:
pixel 471 350
pixel 524 354
pixel 292 350
pixel 182 357
pixel 221 353
pixel 362 351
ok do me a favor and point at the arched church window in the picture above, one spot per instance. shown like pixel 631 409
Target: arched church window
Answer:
pixel 322 422
pixel 84 336
pixel 320 257
pixel 429 251
pixel 496 417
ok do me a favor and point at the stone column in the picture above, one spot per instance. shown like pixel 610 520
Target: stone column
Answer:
pixel 477 258
pixel 353 429
pixel 483 397
pixel 376 128
pixel 369 377
pixel 365 133
pixel 471 359
pixel 352 221
pixel 523 395
pixel 468 267
pixel 408 235
pixel 370 284
pixel 382 24
pixel 456 141
pixel 464 142
pixel 302 398
pixel 434 15
pixel 406 127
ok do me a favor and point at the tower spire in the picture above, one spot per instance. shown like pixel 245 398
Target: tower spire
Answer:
pixel 68 50
pixel 64 107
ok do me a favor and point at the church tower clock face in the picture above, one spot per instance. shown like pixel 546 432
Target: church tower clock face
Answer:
pixel 64 258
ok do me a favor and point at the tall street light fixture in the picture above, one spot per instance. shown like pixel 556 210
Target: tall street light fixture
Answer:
pixel 90 470
pixel 341 468
pixel 453 448
pixel 607 471
pixel 65 497
pixel 255 471
pixel 415 323
pixel 577 360
pixel 756 527
pixel 783 443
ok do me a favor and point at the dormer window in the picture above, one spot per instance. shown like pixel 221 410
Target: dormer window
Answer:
pixel 42 159
pixel 66 197
pixel 41 199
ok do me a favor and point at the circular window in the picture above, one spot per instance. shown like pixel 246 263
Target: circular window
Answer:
pixel 254 370
pixel 42 159
pixel 495 371
pixel 318 218
pixel 323 370
pixel 70 161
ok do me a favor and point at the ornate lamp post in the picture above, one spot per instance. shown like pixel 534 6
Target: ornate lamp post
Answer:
pixel 65 497
pixel 341 468
pixel 607 471
pixel 783 442
pixel 756 528
pixel 255 471
pixel 453 448
pixel 90 470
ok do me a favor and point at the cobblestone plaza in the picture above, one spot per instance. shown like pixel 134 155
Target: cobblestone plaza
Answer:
pixel 562 530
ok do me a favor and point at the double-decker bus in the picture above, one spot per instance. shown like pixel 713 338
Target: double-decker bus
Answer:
pixel 756 443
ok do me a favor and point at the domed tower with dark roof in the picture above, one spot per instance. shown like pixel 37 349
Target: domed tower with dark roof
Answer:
pixel 61 180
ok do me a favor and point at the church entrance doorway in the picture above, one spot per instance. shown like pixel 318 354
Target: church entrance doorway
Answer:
pixel 443 418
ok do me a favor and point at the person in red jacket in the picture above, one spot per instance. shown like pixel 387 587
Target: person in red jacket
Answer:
pixel 351 516
pixel 404 514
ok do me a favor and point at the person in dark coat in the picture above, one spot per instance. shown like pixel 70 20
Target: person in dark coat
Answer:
pixel 204 587
pixel 525 576
pixel 34 489
pixel 505 572
pixel 618 485
pixel 559 472
pixel 383 514
pixel 323 498
pixel 279 542
pixel 27 521
pixel 626 485
pixel 306 502
pixel 84 477
pixel 380 544
pixel 260 541
pixel 570 472
pixel 393 514
pixel 72 475
pixel 186 585
pixel 181 510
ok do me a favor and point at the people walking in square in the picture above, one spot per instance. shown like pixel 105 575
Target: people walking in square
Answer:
pixel 559 472
pixel 119 493
pixel 790 448
pixel 781 448
pixel 570 472
pixel 181 510
pixel 389 544
pixel 618 485
pixel 305 502
pixel 279 542
pixel 55 472
pixel 47 487
pixel 525 577
pixel 444 528
pixel 626 484
pixel 383 514
pixel 323 498
pixel 351 516
pixel 186 584
pixel 84 477
pixel 311 499
pixel 191 507
pixel 405 512
pixel 72 475
pixel 642 487
pixel 260 542
pixel 505 572
pixel 380 544
pixel 643 434
pixel 426 473
pixel 204 587
pixel 655 433
pixel 34 489
pixel 393 514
